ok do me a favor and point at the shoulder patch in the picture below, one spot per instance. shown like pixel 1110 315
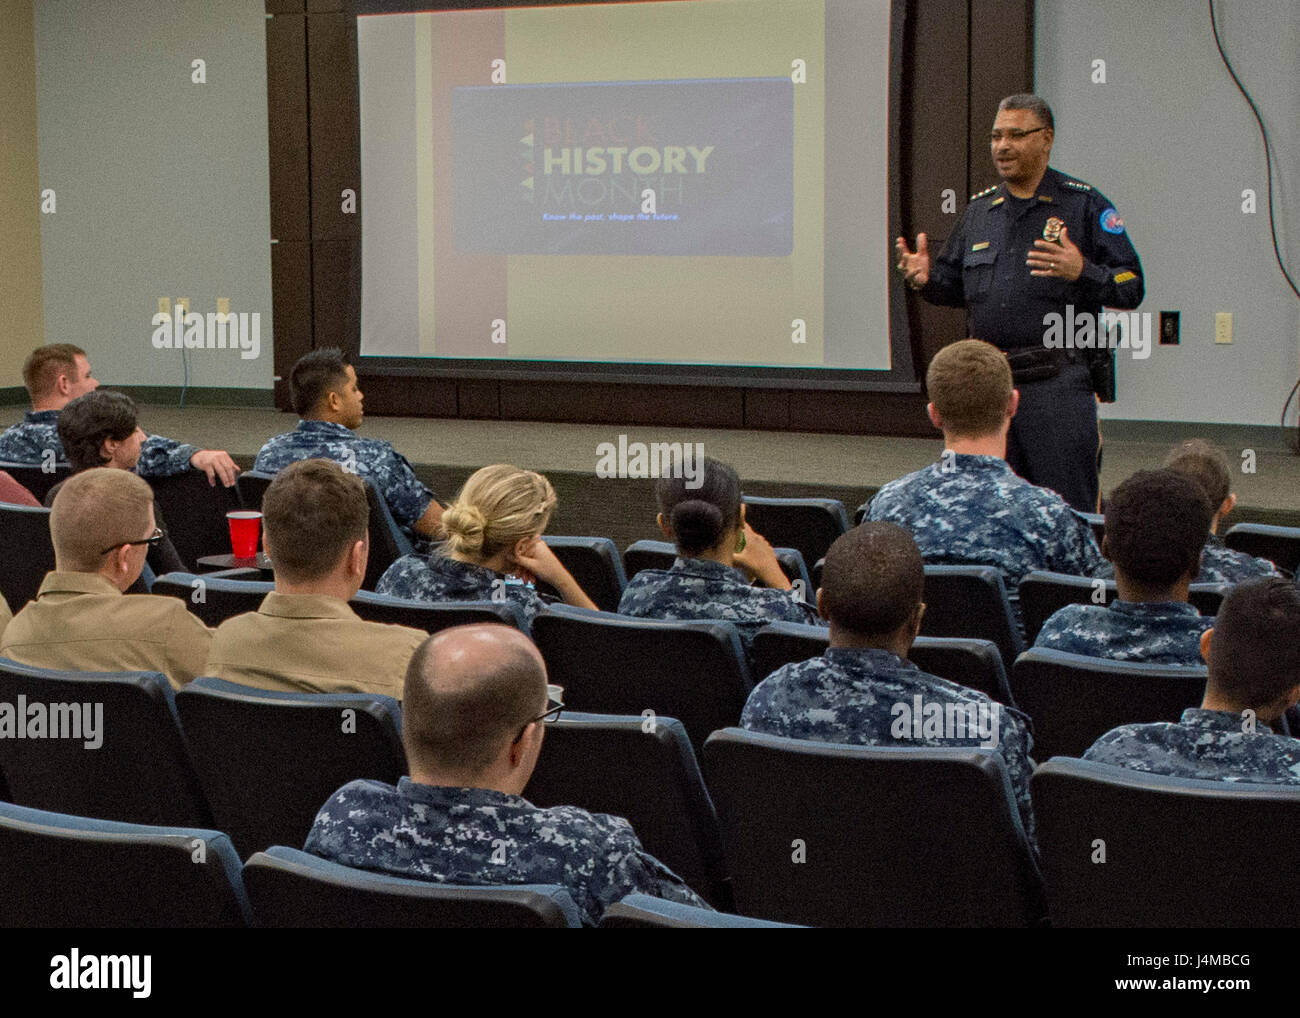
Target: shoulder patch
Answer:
pixel 982 194
pixel 1078 185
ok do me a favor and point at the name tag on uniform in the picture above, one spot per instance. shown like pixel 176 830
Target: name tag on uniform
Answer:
pixel 980 246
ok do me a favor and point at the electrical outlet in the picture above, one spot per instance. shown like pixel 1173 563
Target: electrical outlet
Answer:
pixel 1169 328
pixel 1223 326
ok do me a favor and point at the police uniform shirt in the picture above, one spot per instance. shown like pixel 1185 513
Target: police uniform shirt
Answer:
pixel 312 643
pixel 698 588
pixel 974 510
pixel 982 266
pixel 1152 632
pixel 81 622
pixel 372 458
pixel 1211 745
pixel 480 836
pixel 851 695
pixel 438 577
pixel 31 442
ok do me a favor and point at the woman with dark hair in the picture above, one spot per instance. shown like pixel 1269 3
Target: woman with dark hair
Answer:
pixel 718 557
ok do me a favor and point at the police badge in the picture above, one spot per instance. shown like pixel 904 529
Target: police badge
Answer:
pixel 1052 229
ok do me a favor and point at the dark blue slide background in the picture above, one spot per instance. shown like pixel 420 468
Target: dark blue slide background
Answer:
pixel 743 204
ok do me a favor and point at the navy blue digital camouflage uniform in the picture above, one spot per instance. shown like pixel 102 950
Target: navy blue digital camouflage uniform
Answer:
pixel 697 588
pixel 849 695
pixel 372 458
pixel 973 510
pixel 1212 745
pixel 1053 438
pixel 29 441
pixel 1152 632
pixel 481 836
pixel 1219 564
pixel 440 578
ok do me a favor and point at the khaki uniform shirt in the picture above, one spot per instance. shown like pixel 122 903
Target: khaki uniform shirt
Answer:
pixel 81 622
pixel 5 614
pixel 312 643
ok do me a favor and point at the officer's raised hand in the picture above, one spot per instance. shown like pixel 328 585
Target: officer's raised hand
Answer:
pixel 1059 261
pixel 915 266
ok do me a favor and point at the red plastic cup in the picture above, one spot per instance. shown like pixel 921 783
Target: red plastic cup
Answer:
pixel 245 528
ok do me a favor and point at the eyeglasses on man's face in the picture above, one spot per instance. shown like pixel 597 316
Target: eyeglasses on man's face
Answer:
pixel 157 535
pixel 1013 134
pixel 552 713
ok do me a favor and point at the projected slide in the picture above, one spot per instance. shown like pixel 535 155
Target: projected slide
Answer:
pixel 693 183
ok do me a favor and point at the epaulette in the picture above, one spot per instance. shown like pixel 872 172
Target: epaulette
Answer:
pixel 985 192
pixel 1078 185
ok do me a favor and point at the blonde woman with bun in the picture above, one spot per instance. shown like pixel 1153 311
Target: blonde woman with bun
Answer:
pixel 494 530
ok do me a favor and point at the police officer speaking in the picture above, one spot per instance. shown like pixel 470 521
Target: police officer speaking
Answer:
pixel 1038 244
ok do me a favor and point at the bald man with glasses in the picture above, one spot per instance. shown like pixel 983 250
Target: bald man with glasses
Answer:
pixel 102 525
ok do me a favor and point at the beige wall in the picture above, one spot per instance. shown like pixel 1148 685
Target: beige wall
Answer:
pixel 22 324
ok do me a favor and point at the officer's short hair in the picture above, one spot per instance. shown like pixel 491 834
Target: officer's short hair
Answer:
pixel 1157 522
pixel 970 385
pixel 1255 649
pixel 873 579
pixel 88 420
pixel 97 509
pixel 468 689
pixel 1205 465
pixel 314 376
pixel 700 516
pixel 44 365
pixel 313 512
pixel 1035 105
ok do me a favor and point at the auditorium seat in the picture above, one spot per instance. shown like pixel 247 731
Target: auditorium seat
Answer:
pixel 642 771
pixel 74 872
pixel 1122 848
pixel 268 760
pixel 140 774
pixel 809 525
pixel 612 664
pixel 642 911
pixel 213 598
pixel 1097 521
pixel 35 479
pixel 290 889
pixel 26 552
pixel 194 512
pixel 1074 700
pixel 970 602
pixel 832 835
pixel 1044 593
pixel 1280 545
pixel 972 663
pixel 251 486
pixel 661 555
pixel 594 562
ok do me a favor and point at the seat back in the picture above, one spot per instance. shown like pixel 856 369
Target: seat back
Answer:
pixel 195 512
pixel 1280 545
pixel 647 773
pixel 387 542
pixel 139 773
pixel 37 479
pixel 74 872
pixel 1177 852
pixel 831 835
pixel 268 760
pixel 809 525
pixel 213 598
pixel 290 889
pixel 1074 700
pixel 611 664
pixel 433 617
pixel 594 562
pixel 1044 593
pixel 642 911
pixel 661 555
pixel 1097 521
pixel 26 552
pixel 251 485
pixel 970 602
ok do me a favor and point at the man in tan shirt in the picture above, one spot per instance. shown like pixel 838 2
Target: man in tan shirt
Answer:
pixel 102 525
pixel 305 638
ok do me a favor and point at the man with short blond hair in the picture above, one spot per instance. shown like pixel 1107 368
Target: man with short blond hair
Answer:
pixel 970 508
pixel 305 637
pixel 58 373
pixel 101 524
